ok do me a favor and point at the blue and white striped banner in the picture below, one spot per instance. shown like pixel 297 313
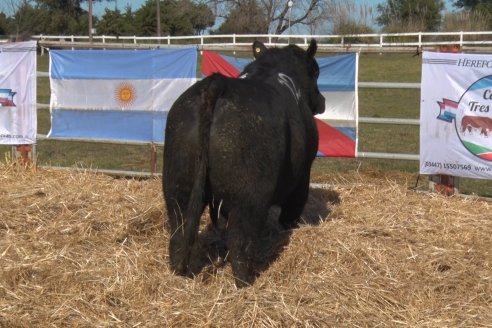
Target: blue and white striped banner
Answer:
pixel 337 126
pixel 117 94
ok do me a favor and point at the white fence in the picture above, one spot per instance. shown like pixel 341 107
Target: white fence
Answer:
pixel 358 42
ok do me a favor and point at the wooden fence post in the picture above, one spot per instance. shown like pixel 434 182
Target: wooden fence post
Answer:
pixel 24 154
pixel 153 159
pixel 444 184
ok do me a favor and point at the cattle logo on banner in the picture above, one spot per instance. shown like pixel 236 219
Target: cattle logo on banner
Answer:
pixel 456 115
pixel 337 126
pixel 472 118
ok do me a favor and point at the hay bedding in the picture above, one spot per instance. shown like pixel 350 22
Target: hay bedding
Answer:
pixel 87 250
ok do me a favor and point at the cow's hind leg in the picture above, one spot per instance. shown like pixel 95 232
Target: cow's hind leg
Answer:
pixel 243 231
pixel 293 206
pixel 183 233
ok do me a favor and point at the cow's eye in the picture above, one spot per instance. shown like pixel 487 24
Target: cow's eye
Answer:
pixel 315 72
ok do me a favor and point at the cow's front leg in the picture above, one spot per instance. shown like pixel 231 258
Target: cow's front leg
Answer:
pixel 294 204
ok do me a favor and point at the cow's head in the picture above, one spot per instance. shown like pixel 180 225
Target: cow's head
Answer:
pixel 300 65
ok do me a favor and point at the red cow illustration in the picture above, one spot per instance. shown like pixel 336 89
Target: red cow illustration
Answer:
pixel 484 124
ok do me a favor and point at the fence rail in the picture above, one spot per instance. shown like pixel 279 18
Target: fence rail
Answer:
pixel 335 42
pixel 355 42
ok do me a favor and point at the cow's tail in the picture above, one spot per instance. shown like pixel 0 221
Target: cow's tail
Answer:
pixel 209 94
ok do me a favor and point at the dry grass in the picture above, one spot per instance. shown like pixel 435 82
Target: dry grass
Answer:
pixel 87 250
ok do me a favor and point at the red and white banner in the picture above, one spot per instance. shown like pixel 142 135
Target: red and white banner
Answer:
pixel 18 93
pixel 337 126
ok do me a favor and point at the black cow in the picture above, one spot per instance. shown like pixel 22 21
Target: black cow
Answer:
pixel 241 146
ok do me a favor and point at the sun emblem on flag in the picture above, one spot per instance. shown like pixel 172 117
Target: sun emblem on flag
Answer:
pixel 125 94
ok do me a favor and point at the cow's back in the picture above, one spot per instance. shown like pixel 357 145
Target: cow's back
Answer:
pixel 259 143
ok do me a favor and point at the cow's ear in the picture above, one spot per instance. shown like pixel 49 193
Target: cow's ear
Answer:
pixel 311 51
pixel 258 49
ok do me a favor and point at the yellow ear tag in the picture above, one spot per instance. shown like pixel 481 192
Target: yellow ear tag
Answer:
pixel 258 50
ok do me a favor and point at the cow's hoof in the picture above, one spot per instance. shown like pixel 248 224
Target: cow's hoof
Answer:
pixel 289 225
pixel 241 283
pixel 181 270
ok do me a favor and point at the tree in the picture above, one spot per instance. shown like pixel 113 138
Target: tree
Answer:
pixel 277 13
pixel 349 18
pixel 4 24
pixel 466 20
pixel 178 17
pixel 474 4
pixel 203 18
pixel 113 22
pixel 408 15
pixel 59 17
pixel 245 18
pixel 27 20
pixel 477 8
pixel 15 17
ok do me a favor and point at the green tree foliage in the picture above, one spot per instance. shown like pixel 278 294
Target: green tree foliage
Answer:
pixel 478 7
pixel 246 17
pixel 178 17
pixel 203 18
pixel 113 22
pixel 351 26
pixel 410 15
pixel 466 20
pixel 28 20
pixel 4 24
pixel 474 4
pixel 56 17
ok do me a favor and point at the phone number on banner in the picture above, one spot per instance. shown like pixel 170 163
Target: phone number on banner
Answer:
pixel 449 166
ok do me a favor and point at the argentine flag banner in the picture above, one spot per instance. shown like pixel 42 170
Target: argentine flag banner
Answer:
pixel 456 115
pixel 18 93
pixel 117 94
pixel 337 126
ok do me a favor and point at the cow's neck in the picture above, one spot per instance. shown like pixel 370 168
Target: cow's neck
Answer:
pixel 287 82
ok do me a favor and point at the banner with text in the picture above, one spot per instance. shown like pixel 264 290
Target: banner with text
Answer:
pixel 456 115
pixel 18 93
pixel 117 94
pixel 337 82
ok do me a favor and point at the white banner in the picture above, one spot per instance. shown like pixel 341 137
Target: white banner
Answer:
pixel 456 115
pixel 18 93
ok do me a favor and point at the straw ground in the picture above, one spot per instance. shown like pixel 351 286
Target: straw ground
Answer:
pixel 79 249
